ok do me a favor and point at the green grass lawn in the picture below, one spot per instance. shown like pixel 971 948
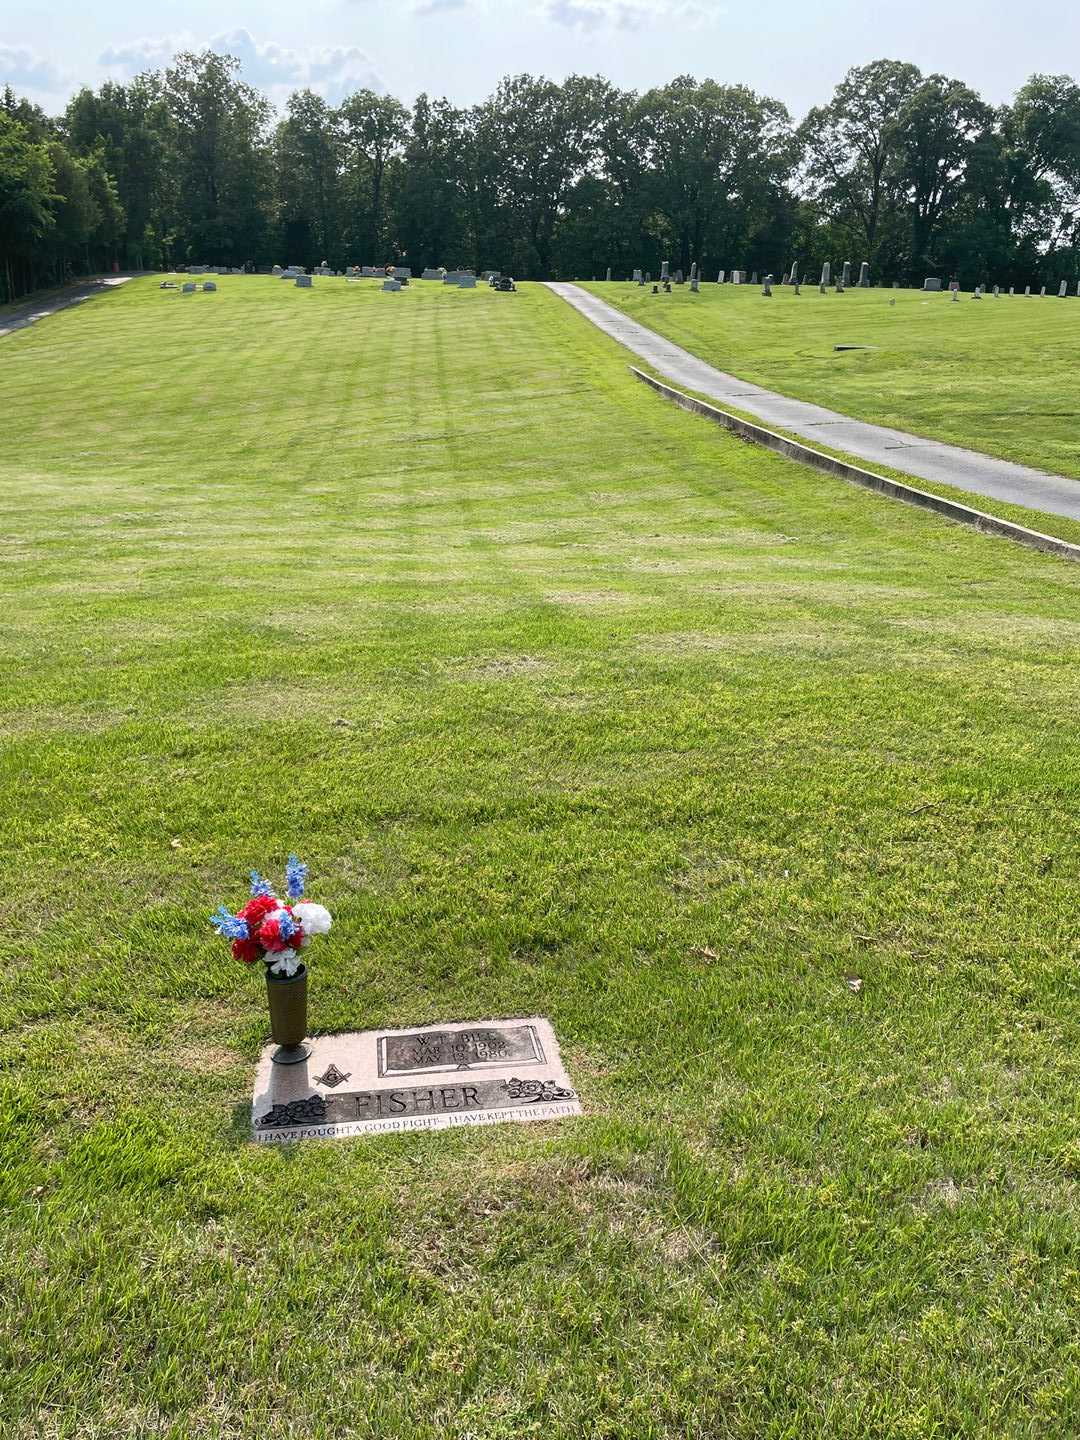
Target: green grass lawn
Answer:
pixel 1001 376
pixel 575 705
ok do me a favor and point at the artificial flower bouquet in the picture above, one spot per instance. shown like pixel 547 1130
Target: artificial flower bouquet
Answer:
pixel 274 931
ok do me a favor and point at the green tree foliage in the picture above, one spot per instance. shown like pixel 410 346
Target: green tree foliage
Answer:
pixel 913 173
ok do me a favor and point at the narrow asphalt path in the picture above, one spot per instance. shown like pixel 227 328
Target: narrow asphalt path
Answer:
pixel 927 459
pixel 20 316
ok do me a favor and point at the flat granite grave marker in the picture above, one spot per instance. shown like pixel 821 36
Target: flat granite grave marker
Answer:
pixel 431 1077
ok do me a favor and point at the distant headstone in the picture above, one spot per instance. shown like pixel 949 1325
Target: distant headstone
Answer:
pixel 1012 289
pixel 1027 289
pixel 391 283
pixel 997 291
pixel 694 271
pixel 864 275
pixel 976 294
pixel 956 295
pixel 736 277
pixel 467 282
pixel 656 289
pixel 276 270
pixel 678 277
pixel 1078 288
pixel 607 277
pixel 1063 290
pixel 638 277
pixel 798 288
pixel 767 287
pixel 304 282
pixel 210 285
pixel 753 278
pixel 648 277
pixel 667 287
pixel 932 282
pixel 188 287
pixel 403 272
pixel 720 277
pixel 1043 290
pixel 695 285
pixel 826 273
pixel 845 274
pixel 430 274
pixel 664 269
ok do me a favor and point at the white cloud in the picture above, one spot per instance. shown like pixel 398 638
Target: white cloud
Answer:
pixel 592 15
pixel 24 69
pixel 439 7
pixel 331 71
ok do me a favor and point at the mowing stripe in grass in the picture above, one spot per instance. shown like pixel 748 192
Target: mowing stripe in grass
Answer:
pixel 807 455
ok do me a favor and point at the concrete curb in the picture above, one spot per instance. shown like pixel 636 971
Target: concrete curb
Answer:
pixel 895 489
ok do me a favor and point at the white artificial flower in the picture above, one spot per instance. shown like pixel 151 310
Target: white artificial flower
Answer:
pixel 285 963
pixel 314 918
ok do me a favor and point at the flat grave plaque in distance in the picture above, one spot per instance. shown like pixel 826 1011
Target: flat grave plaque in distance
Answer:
pixel 429 1077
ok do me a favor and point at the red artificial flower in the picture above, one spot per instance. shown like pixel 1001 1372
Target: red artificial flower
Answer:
pixel 246 950
pixel 270 936
pixel 257 909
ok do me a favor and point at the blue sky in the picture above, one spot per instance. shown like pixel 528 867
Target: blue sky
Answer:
pixel 796 50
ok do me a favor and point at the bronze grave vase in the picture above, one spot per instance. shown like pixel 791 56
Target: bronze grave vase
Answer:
pixel 287 998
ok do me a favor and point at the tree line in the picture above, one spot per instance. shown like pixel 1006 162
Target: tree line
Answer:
pixel 914 173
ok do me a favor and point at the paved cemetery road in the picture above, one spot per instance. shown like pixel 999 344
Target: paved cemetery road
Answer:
pixel 912 454
pixel 18 317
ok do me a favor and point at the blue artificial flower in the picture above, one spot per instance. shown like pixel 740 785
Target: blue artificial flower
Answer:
pixel 288 927
pixel 229 925
pixel 259 886
pixel 295 877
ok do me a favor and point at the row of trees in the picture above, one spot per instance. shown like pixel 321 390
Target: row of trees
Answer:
pixel 914 173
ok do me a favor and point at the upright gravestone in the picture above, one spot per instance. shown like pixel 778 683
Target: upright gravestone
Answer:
pixel 795 273
pixel 766 289
pixel 694 271
pixel 826 274
pixel 607 277
pixel 753 278
pixel 678 277
pixel 1063 290
pixel 695 285
pixel 720 277
pixel 276 270
pixel 664 269
pixel 1012 289
pixel 1027 289
pixel 845 274
pixel 932 282
pixel 976 294
pixel 304 282
pixel 997 291
pixel 639 278
pixel 1043 290
pixel 1078 288
pixel 467 282
pixel 864 275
